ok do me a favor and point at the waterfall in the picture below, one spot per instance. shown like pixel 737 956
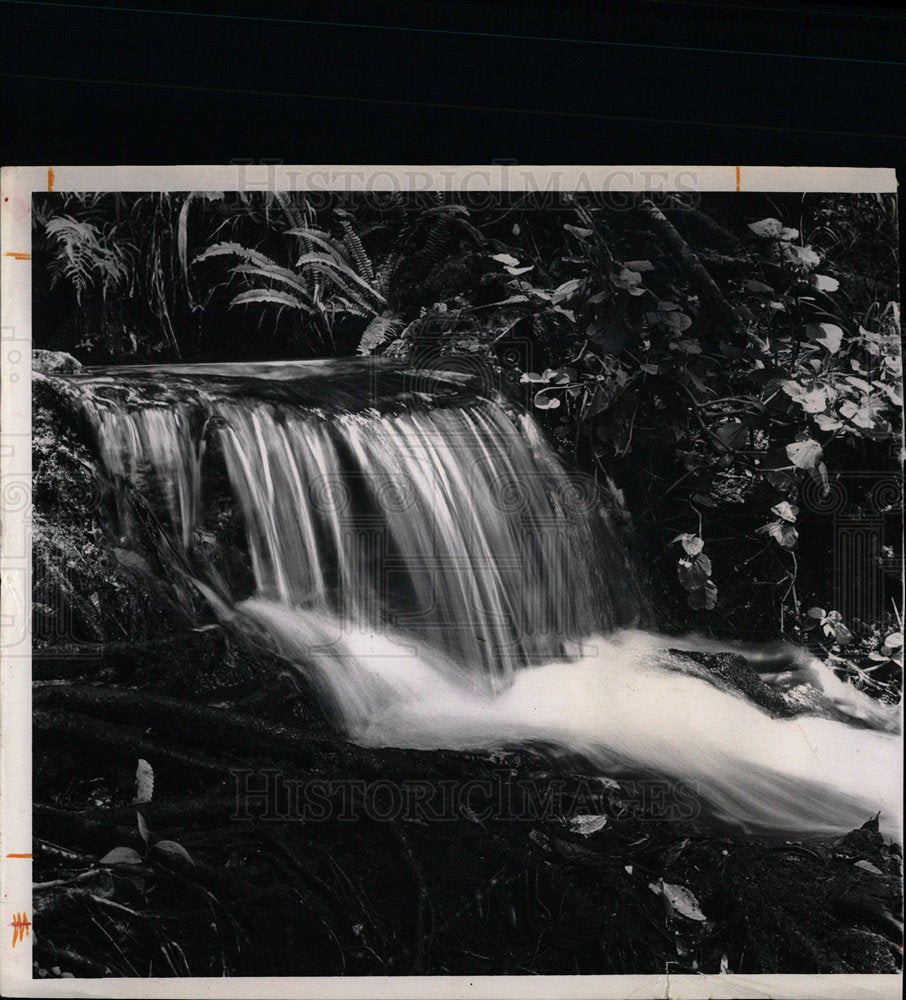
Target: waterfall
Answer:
pixel 417 549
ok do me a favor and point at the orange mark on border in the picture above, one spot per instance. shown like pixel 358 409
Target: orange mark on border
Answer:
pixel 17 255
pixel 50 178
pixel 18 855
pixel 20 926
pixel 737 178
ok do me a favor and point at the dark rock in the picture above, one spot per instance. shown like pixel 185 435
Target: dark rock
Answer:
pixel 731 670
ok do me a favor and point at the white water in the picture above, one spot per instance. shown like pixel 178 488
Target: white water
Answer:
pixel 455 524
pixel 627 706
pixel 444 583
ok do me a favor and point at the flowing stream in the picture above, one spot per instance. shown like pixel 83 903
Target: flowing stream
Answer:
pixel 417 550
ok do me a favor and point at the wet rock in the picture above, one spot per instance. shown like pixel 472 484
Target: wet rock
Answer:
pixel 733 671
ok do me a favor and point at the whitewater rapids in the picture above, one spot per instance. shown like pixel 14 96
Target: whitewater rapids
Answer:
pixel 627 706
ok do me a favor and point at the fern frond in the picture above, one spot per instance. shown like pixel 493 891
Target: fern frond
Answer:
pixel 324 240
pixel 289 207
pixel 378 332
pixel 236 250
pixel 386 271
pixel 84 254
pixel 357 251
pixel 271 296
pixel 339 304
pixel 342 275
pixel 274 273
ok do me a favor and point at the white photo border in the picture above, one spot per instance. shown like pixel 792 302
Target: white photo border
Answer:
pixel 17 185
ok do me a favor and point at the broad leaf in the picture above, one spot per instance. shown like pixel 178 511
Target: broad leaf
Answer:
pixel 824 283
pixel 693 544
pixel 786 511
pixel 732 434
pixel 686 346
pixel 782 532
pixel 121 856
pixel 694 572
pixel 894 640
pixel 171 850
pixel 767 228
pixel 804 255
pixel 704 598
pixel 827 423
pixel 678 321
pixel 566 290
pixel 627 279
pixel 828 335
pixel 804 454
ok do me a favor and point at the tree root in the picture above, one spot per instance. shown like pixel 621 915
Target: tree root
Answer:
pixel 701 280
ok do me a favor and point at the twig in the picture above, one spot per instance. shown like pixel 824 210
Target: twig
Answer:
pixel 55 851
pixel 56 883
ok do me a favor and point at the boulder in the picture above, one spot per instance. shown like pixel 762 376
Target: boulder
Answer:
pixel 54 363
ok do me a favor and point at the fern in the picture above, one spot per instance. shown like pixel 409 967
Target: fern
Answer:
pixel 324 240
pixel 290 208
pixel 343 276
pixel 182 237
pixel 381 329
pixel 357 251
pixel 237 250
pixel 274 273
pixel 84 255
pixel 272 296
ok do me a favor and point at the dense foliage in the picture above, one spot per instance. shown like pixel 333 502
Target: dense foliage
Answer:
pixel 731 363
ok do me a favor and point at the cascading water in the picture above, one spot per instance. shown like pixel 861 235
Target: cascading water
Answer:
pixel 420 553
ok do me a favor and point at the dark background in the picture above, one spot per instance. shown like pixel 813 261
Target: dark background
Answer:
pixel 655 81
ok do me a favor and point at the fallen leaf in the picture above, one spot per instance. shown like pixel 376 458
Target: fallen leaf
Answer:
pixel 144 782
pixel 678 899
pixel 505 258
pixel 587 825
